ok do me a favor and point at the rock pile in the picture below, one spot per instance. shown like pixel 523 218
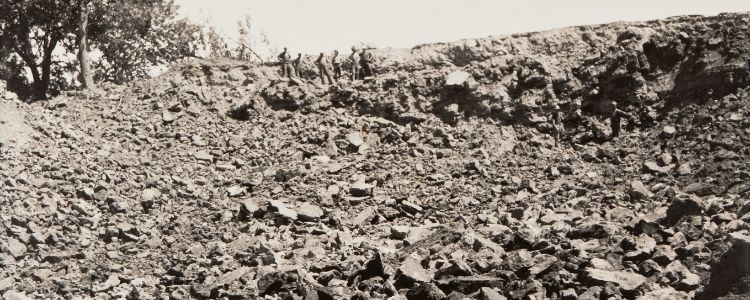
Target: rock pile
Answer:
pixel 436 180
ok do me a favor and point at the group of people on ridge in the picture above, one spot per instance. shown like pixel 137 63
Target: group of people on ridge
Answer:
pixel 360 65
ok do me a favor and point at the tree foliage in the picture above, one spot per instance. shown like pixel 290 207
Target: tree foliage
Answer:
pixel 33 29
pixel 250 41
pixel 135 35
pixel 132 36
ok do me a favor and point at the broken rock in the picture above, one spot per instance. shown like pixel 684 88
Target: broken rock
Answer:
pixel 309 212
pixel 627 281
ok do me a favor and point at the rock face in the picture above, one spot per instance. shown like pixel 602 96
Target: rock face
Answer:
pixel 731 274
pixel 439 178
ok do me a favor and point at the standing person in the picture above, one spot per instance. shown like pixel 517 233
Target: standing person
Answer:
pixel 336 63
pixel 364 60
pixel 297 65
pixel 286 69
pixel 556 119
pixel 354 60
pixel 323 69
pixel 615 119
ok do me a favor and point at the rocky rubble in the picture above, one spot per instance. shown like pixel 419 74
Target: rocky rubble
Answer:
pixel 438 179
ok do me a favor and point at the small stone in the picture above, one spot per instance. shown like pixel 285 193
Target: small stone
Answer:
pixel 84 208
pixel 119 207
pixel 16 248
pixel 203 156
pixel 669 130
pixel 683 205
pixel 592 230
pixel 667 293
pixel 568 294
pixel 248 208
pixel 518 260
pixel 6 283
pixel 150 195
pixel 682 278
pixel 282 210
pixel 638 191
pixel 649 267
pixel 653 167
pixel 457 268
pixel 684 169
pixel 355 139
pixel 425 291
pixel 361 189
pixel 13 295
pixel 601 264
pixel 42 274
pixel 664 254
pixel 198 140
pixel 471 284
pixel 309 212
pixel 226 167
pixel 410 207
pixel 481 242
pixel 411 272
pixel 87 194
pixel 665 159
pixel 627 281
pixel 167 117
pixel 236 191
pixel 486 293
pixel 458 79
pixel 399 232
pixel 699 189
pixel 644 246
pixel 541 263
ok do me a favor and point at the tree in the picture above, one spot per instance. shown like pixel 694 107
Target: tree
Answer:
pixel 87 78
pixel 135 35
pixel 246 43
pixel 132 36
pixel 34 28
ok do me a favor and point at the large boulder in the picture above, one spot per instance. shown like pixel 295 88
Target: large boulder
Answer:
pixel 683 205
pixel 732 273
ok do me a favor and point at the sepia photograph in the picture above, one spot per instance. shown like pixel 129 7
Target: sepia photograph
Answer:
pixel 375 150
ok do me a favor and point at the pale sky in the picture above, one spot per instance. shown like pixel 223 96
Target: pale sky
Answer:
pixel 313 26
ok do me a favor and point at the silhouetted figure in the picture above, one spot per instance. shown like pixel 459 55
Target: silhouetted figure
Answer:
pixel 365 58
pixel 336 63
pixel 615 119
pixel 354 60
pixel 297 65
pixel 286 69
pixel 323 69
pixel 556 119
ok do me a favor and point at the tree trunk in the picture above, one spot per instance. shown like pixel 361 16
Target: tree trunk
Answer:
pixel 42 87
pixel 87 79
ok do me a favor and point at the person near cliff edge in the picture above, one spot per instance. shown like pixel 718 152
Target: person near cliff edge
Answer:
pixel 354 60
pixel 323 69
pixel 286 69
pixel 365 58
pixel 336 63
pixel 297 65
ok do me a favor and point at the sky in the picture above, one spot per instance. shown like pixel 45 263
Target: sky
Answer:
pixel 314 26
